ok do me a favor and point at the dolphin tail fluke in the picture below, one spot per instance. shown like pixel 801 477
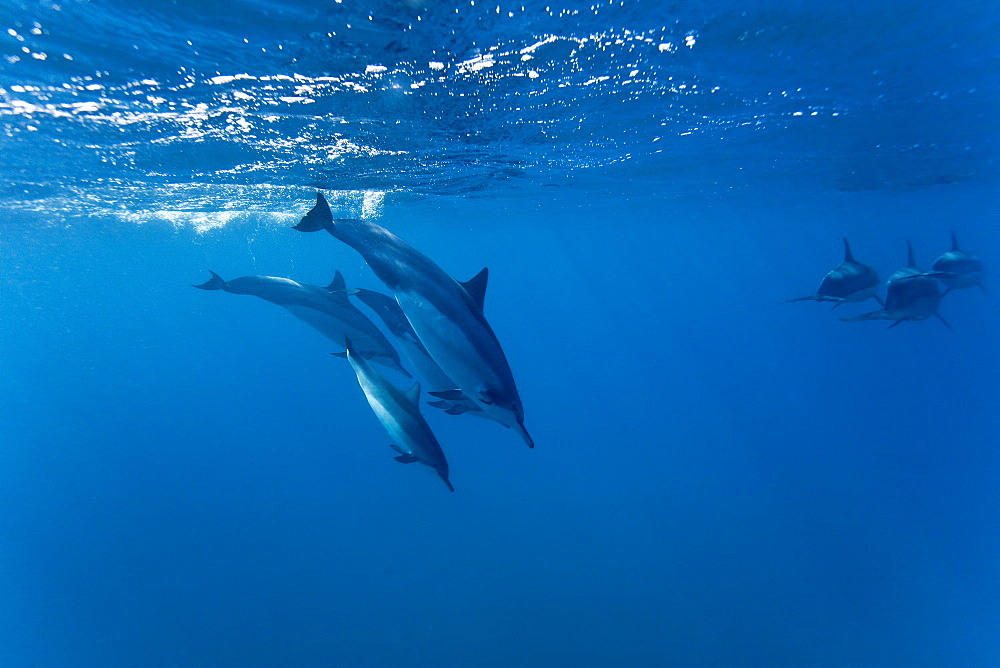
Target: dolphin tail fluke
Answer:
pixel 214 283
pixel 943 321
pixel 318 218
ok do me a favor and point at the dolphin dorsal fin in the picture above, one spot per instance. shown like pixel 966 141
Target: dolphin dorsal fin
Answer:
pixel 848 256
pixel 338 284
pixel 954 241
pixel 910 260
pixel 413 394
pixel 476 287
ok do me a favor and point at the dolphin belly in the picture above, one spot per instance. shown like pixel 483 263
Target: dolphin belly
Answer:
pixel 463 349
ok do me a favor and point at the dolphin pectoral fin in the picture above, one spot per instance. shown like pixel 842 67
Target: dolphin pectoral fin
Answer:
pixel 342 355
pixel 486 397
pixel 442 404
pixel 413 394
pixel 214 283
pixel 476 287
pixel 879 300
pixel 896 323
pixel 318 218
pixel 398 449
pixel 807 298
pixel 405 459
pixel 946 291
pixel 943 321
pixel 449 395
pixel 982 286
pixel 835 305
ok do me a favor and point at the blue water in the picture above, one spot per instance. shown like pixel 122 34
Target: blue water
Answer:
pixel 188 478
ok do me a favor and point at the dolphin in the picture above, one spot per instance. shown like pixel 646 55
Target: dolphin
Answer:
pixel 849 281
pixel 433 377
pixel 328 311
pixel 399 413
pixel 446 315
pixel 958 269
pixel 911 294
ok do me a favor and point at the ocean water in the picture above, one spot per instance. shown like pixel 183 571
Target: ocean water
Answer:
pixel 188 478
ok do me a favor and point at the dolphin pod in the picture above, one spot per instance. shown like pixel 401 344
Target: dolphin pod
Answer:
pixel 437 322
pixel 911 292
pixel 446 315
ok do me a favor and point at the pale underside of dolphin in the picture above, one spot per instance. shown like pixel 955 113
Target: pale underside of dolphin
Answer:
pixel 911 294
pixel 399 413
pixel 329 312
pixel 435 381
pixel 446 315
pixel 850 281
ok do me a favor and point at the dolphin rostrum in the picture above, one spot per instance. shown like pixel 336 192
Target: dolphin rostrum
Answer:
pixel 850 281
pixel 435 380
pixel 911 294
pixel 399 413
pixel 446 315
pixel 328 311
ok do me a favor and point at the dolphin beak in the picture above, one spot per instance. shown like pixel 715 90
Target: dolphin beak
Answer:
pixel 524 434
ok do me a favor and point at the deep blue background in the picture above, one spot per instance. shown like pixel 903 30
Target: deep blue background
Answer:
pixel 188 478
pixel 719 477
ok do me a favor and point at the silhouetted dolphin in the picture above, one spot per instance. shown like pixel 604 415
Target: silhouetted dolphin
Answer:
pixel 328 311
pixel 850 281
pixel 434 379
pixel 446 315
pixel 399 413
pixel 958 269
pixel 910 295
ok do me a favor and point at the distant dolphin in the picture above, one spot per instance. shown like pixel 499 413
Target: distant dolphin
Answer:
pixel 958 269
pixel 329 312
pixel 399 413
pixel 910 295
pixel 850 281
pixel 435 380
pixel 446 315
